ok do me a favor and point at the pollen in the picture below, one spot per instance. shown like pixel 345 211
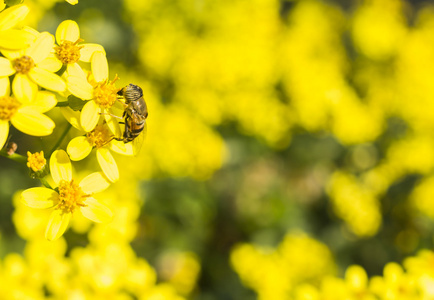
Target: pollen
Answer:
pixel 105 93
pixel 71 196
pixel 8 107
pixel 69 52
pixel 23 64
pixel 100 136
pixel 36 161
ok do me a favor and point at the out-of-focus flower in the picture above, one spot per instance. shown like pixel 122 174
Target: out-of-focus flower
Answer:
pixel 33 66
pixel 68 197
pixel 70 51
pixel 72 2
pixel 97 88
pixel 25 116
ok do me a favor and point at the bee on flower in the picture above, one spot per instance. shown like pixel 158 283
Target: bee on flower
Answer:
pixel 68 197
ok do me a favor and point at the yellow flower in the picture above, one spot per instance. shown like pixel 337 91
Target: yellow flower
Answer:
pixel 25 116
pixel 98 89
pixel 100 138
pixel 10 38
pixel 68 197
pixel 69 51
pixel 33 66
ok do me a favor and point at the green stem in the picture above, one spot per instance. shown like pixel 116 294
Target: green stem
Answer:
pixel 45 182
pixel 16 157
pixel 62 104
pixel 65 132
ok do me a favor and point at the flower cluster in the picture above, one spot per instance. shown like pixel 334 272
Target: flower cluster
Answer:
pixel 40 71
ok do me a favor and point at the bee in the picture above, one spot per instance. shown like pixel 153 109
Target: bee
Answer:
pixel 134 115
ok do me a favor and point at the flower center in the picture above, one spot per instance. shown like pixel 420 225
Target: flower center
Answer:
pixel 105 93
pixel 71 196
pixel 23 64
pixel 68 52
pixel 99 137
pixel 8 107
pixel 36 161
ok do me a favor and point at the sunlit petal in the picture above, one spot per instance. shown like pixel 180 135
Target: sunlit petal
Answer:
pixel 4 131
pixel 32 122
pixel 75 70
pixel 89 116
pixel 47 79
pixel 96 211
pixel 99 66
pixel 94 183
pixel 40 197
pixel 14 39
pixel 11 16
pixel 113 124
pixel 60 166
pixel 41 47
pixel 88 50
pixel 67 31
pixel 24 89
pixel 4 86
pixel 79 87
pixel 6 67
pixel 78 148
pixel 122 148
pixel 44 101
pixel 72 2
pixel 57 224
pixel 51 63
pixel 72 116
pixel 107 164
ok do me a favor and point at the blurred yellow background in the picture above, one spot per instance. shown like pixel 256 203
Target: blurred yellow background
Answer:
pixel 289 155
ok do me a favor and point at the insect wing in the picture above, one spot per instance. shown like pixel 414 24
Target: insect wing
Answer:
pixel 138 141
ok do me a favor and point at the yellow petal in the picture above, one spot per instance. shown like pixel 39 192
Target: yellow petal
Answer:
pixel 89 116
pixel 75 70
pixel 4 86
pixel 67 31
pixel 107 164
pixel 88 50
pixel 32 122
pixel 51 63
pixel 99 66
pixel 60 166
pixel 94 183
pixel 79 87
pixel 122 148
pixel 57 224
pixel 96 211
pixel 24 89
pixel 73 117
pixel 40 197
pixel 6 67
pixel 78 148
pixel 72 2
pixel 14 39
pixel 44 101
pixel 47 79
pixel 11 16
pixel 4 131
pixel 113 124
pixel 41 48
